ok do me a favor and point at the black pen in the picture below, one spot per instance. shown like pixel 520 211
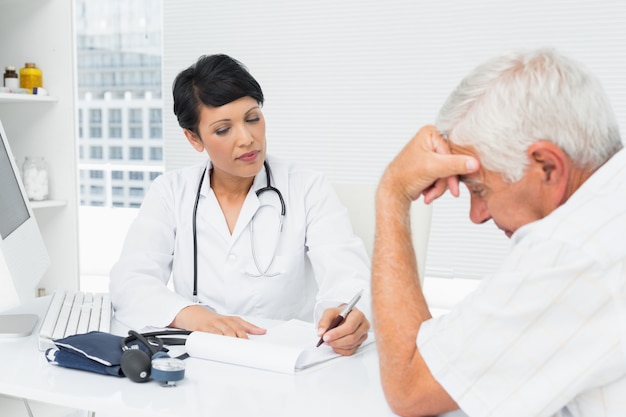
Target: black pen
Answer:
pixel 342 316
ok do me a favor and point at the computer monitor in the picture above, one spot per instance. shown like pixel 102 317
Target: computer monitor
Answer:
pixel 23 255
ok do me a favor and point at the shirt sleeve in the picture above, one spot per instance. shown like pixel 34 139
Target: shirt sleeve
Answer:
pixel 531 337
pixel 338 257
pixel 138 280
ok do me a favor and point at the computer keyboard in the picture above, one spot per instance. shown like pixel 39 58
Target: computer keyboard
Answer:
pixel 74 312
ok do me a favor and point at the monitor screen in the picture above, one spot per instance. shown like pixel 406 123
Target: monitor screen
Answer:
pixel 12 205
pixel 23 255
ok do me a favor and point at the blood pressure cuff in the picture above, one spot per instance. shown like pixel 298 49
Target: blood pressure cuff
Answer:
pixel 94 352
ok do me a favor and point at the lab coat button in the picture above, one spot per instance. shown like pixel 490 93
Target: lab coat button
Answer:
pixel 232 258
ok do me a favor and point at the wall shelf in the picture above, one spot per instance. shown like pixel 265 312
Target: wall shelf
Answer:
pixel 26 98
pixel 41 31
pixel 47 203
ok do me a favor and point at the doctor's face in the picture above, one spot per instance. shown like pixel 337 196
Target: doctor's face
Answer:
pixel 233 135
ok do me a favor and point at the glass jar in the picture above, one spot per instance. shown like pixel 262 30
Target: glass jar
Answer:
pixel 35 177
pixel 10 78
pixel 30 76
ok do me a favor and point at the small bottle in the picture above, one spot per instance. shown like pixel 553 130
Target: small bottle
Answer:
pixel 31 76
pixel 10 78
pixel 35 176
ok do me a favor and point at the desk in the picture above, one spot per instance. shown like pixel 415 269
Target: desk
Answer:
pixel 343 387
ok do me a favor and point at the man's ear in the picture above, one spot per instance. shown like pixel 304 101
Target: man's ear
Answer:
pixel 553 167
pixel 194 140
pixel 551 164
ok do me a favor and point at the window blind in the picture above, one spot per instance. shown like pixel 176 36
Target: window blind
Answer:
pixel 348 83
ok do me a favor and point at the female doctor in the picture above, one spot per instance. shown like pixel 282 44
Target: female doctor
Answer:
pixel 237 234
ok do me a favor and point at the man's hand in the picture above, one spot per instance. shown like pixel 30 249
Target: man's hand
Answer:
pixel 198 318
pixel 426 167
pixel 348 336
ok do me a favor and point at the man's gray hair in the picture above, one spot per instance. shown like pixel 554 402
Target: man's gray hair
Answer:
pixel 512 101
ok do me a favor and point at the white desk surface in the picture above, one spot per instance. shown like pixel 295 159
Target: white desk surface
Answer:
pixel 347 386
pixel 342 387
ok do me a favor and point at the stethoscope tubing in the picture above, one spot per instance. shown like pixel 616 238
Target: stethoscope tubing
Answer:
pixel 260 191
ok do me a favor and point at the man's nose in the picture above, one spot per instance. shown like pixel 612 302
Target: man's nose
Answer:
pixel 479 212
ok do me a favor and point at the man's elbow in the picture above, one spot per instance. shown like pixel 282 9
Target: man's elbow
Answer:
pixel 403 400
pixel 410 398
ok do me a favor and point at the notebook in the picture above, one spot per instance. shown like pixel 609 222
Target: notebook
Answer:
pixel 288 347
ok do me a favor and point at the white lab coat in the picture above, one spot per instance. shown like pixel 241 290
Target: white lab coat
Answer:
pixel 316 229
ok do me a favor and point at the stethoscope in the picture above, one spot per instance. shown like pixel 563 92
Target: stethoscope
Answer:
pixel 262 272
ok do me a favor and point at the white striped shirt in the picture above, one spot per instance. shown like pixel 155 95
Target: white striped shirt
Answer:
pixel 546 334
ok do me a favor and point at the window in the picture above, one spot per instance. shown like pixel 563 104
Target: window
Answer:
pixel 135 123
pixel 115 116
pixel 135 153
pixel 135 175
pixel 80 123
pixel 135 132
pixel 155 116
pixel 156 154
pixel 96 174
pixel 115 123
pixel 156 132
pixel 95 132
pixel 135 192
pixel 135 116
pixel 115 132
pixel 95 116
pixel 96 190
pixel 119 100
pixel 95 152
pixel 115 152
pixel 119 85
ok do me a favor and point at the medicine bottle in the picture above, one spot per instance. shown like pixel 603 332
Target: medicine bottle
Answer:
pixel 30 76
pixel 10 78
pixel 35 177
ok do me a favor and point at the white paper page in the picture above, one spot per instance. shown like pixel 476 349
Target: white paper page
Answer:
pixel 286 347
pixel 245 352
pixel 302 335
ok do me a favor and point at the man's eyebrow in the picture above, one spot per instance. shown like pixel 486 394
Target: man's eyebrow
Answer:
pixel 469 181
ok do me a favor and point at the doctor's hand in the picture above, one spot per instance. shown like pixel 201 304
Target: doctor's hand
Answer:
pixel 198 318
pixel 348 336
pixel 426 167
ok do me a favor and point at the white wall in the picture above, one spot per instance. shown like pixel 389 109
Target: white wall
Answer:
pixel 348 83
pixel 102 234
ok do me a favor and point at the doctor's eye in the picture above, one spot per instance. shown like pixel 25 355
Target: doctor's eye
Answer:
pixel 222 131
pixel 253 119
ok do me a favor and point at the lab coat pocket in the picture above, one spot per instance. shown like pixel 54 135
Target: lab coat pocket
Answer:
pixel 280 292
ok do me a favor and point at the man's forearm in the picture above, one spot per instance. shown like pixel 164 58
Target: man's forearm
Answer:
pixel 398 302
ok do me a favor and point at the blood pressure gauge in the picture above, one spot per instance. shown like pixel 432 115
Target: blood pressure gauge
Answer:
pixel 167 370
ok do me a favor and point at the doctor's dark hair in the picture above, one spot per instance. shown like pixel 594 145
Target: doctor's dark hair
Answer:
pixel 213 81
